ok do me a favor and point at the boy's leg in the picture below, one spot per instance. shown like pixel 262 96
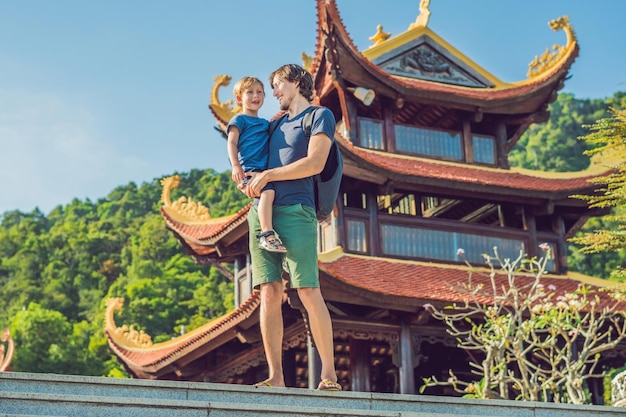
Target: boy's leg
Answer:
pixel 267 237
pixel 265 210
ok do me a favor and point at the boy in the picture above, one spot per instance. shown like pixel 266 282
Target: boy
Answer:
pixel 248 152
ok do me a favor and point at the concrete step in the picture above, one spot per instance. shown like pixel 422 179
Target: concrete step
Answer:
pixel 84 396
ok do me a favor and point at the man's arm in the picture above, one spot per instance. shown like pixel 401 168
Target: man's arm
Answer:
pixel 312 164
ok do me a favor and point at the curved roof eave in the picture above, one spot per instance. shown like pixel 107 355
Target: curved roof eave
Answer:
pixel 420 170
pixel 525 96
pixel 150 359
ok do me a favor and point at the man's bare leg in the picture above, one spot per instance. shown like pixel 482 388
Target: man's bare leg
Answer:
pixel 321 328
pixel 271 322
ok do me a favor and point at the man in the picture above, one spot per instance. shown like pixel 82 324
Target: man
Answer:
pixel 293 161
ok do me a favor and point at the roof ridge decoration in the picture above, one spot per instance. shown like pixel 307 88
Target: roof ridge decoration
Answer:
pixel 226 110
pixel 419 53
pixel 422 18
pixel 548 59
pixel 184 209
pixel 380 36
pixel 126 334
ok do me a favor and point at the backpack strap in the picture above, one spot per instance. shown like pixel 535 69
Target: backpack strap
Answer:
pixel 307 122
pixel 274 123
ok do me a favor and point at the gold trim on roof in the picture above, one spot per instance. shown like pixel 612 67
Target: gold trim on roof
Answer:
pixel 422 18
pixel 549 58
pixel 128 334
pixel 225 110
pixel 380 36
pixel 185 208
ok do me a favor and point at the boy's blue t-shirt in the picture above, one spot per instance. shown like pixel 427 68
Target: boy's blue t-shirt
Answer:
pixel 289 144
pixel 253 141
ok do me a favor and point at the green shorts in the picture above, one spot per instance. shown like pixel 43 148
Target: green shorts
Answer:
pixel 296 226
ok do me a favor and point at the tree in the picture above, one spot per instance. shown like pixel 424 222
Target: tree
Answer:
pixel 536 345
pixel 608 142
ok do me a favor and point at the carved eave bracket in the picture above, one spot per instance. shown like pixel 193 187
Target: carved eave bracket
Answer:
pixel 124 335
pixel 331 52
pixel 551 57
pixel 7 348
pixel 225 111
pixel 184 209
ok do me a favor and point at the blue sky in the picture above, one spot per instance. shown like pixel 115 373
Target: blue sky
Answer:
pixel 97 94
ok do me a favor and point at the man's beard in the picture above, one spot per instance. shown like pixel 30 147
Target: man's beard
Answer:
pixel 284 104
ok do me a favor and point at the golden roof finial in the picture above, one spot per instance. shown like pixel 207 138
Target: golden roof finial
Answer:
pixel 126 335
pixel 227 109
pixel 379 36
pixel 187 209
pixel 548 59
pixel 307 61
pixel 422 18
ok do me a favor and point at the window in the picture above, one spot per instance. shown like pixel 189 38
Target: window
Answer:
pixel 418 242
pixel 357 237
pixel 429 142
pixel 371 133
pixel 484 149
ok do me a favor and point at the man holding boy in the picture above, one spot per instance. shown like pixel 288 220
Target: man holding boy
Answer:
pixel 293 161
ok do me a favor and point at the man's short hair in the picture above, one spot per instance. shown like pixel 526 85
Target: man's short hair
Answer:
pixel 295 73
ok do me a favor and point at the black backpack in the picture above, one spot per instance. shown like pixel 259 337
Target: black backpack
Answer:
pixel 326 182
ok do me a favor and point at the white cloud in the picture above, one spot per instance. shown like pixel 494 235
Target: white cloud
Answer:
pixel 52 151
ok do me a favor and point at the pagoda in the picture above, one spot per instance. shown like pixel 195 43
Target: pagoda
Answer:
pixel 425 134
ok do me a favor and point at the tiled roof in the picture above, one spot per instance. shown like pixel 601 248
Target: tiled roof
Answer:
pixel 416 170
pixel 526 96
pixel 408 282
pixel 208 232
pixel 426 282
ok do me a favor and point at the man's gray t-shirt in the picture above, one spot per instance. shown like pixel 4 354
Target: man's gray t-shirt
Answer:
pixel 289 144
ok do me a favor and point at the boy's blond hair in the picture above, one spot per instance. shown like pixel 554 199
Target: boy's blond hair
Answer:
pixel 243 84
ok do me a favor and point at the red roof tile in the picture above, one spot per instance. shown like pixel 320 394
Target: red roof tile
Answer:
pixel 207 232
pixel 415 169
pixel 421 282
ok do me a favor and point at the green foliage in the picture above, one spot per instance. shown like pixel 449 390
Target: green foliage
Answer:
pixel 57 270
pixel 556 146
pixel 608 143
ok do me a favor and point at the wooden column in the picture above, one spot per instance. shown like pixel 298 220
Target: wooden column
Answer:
pixel 501 153
pixel 374 245
pixel 360 365
pixel 530 225
pixel 466 139
pixel 289 367
pixel 407 378
pixel 314 363
pixel 561 248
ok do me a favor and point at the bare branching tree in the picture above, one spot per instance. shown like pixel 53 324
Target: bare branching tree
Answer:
pixel 536 344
